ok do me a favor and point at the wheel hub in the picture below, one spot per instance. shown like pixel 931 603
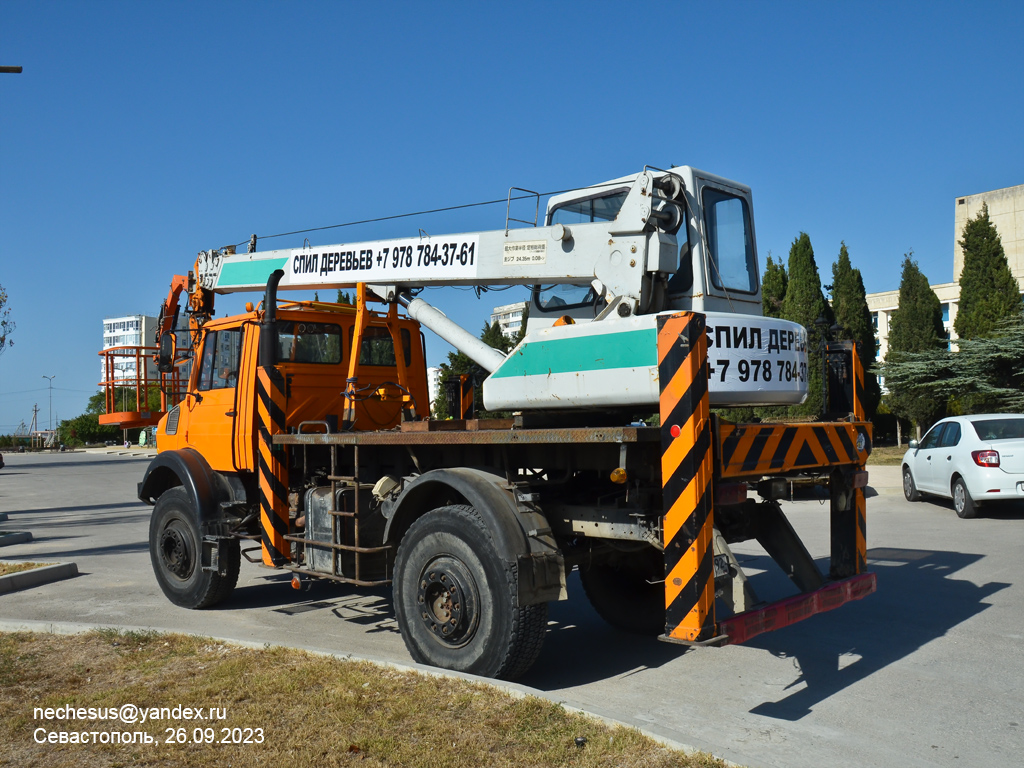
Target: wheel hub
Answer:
pixel 175 554
pixel 441 597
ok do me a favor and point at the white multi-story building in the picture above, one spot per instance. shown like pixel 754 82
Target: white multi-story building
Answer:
pixel 1006 211
pixel 129 331
pixel 509 318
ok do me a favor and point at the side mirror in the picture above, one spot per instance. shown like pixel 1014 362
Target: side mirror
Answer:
pixel 912 445
pixel 165 356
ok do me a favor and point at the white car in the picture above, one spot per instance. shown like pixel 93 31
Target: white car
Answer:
pixel 970 459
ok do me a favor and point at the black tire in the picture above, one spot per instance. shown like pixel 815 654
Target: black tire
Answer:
pixel 175 550
pixel 965 506
pixel 909 488
pixel 628 591
pixel 456 599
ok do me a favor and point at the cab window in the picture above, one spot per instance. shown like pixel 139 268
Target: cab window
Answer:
pixel 604 207
pixel 378 348
pixel 550 298
pixel 302 342
pixel 727 223
pixel 221 353
pixel 682 280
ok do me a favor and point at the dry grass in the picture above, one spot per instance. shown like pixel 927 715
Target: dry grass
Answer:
pixel 9 567
pixel 887 455
pixel 313 710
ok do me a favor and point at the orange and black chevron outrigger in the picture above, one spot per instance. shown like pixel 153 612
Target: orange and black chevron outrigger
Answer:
pixel 273 469
pixel 701 451
pixel 686 469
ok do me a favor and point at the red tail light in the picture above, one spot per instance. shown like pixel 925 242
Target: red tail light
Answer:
pixel 986 458
pixel 730 493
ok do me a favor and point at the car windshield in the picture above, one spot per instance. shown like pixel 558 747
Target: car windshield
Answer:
pixel 999 429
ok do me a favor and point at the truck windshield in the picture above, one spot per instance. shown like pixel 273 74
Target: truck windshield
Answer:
pixel 730 243
pixel 604 207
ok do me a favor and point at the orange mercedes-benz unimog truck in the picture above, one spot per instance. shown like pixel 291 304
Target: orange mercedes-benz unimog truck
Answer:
pixel 271 371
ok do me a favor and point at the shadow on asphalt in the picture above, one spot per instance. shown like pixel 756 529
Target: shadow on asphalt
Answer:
pixel 85 508
pixel 369 607
pixel 997 510
pixel 918 600
pixel 581 648
pixel 67 554
pixel 87 463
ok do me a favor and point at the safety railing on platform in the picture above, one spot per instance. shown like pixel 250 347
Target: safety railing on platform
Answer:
pixel 136 393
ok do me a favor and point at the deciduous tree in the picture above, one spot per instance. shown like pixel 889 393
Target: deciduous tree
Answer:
pixel 460 363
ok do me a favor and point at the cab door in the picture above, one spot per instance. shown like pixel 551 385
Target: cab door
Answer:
pixel 244 436
pixel 212 405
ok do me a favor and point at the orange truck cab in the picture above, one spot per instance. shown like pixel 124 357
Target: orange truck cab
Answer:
pixel 301 368
pixel 216 418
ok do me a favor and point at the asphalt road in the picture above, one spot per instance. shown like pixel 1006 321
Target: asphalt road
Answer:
pixel 927 671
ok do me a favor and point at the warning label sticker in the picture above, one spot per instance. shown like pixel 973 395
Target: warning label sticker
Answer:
pixel 527 252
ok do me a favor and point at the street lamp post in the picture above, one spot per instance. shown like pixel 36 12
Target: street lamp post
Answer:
pixel 50 382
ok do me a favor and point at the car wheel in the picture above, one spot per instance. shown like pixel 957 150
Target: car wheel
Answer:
pixel 964 505
pixel 175 548
pixel 909 489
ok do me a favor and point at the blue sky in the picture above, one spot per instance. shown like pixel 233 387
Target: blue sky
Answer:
pixel 141 133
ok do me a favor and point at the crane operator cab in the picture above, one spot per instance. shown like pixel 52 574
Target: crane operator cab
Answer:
pixel 717 268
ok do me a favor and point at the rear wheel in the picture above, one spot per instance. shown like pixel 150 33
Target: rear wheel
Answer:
pixel 456 599
pixel 909 489
pixel 175 549
pixel 964 505
pixel 629 591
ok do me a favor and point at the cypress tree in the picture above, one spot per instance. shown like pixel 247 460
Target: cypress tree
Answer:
pixel 850 305
pixel 915 330
pixel 773 288
pixel 989 293
pixel 804 303
pixel 917 324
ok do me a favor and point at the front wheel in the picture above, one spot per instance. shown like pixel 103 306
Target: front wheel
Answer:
pixel 964 505
pixel 175 549
pixel 909 489
pixel 456 599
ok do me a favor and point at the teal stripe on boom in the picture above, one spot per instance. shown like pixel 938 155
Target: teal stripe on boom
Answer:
pixel 630 349
pixel 249 272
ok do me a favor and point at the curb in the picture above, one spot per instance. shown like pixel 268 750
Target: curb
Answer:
pixel 512 689
pixel 14 537
pixel 12 582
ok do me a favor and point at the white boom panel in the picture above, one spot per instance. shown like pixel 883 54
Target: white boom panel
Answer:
pixel 611 361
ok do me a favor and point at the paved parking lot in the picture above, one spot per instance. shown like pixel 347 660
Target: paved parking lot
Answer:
pixel 928 671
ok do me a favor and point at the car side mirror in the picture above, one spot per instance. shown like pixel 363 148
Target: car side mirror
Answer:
pixel 912 445
pixel 166 353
